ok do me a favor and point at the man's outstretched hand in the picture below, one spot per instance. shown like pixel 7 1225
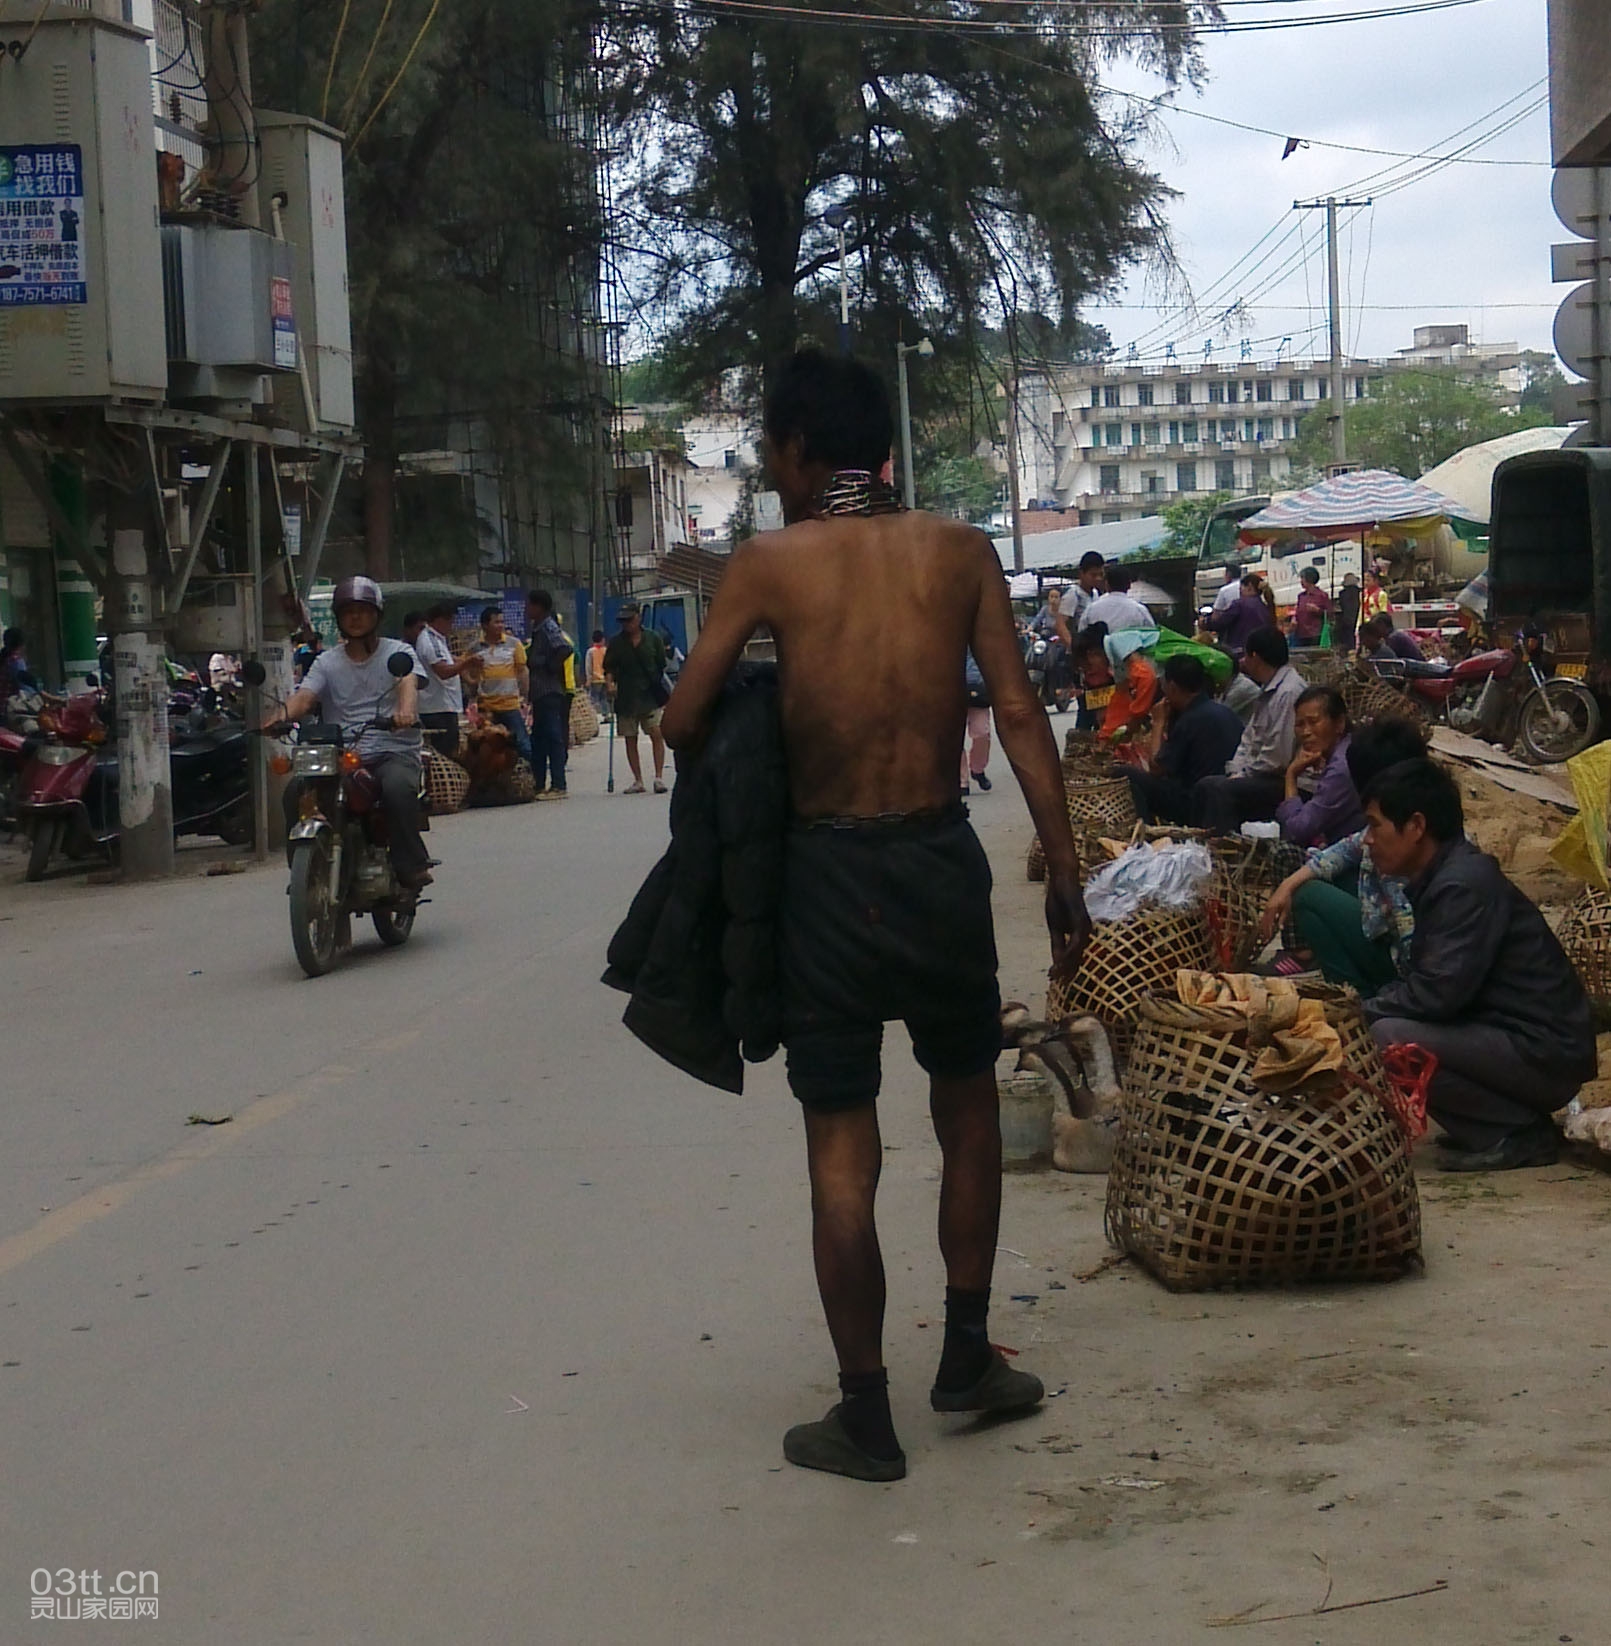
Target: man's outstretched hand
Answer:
pixel 1067 921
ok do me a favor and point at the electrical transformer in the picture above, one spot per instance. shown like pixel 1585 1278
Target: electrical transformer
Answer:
pixel 81 312
pixel 302 174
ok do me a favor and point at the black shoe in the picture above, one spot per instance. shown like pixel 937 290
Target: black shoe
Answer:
pixel 1001 1389
pixel 825 1445
pixel 964 791
pixel 984 784
pixel 1532 1146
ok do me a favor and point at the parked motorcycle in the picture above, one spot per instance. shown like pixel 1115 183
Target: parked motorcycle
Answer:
pixel 68 794
pixel 1509 696
pixel 1048 672
pixel 340 864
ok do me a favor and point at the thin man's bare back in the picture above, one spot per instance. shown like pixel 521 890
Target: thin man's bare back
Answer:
pixel 872 618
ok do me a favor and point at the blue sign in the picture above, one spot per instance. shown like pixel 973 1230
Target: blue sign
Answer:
pixel 41 223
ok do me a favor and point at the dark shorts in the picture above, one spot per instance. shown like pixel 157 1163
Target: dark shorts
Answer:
pixel 886 921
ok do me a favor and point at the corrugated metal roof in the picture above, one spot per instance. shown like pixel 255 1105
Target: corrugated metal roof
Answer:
pixel 1047 551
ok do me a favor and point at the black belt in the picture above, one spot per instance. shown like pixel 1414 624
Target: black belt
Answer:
pixel 932 817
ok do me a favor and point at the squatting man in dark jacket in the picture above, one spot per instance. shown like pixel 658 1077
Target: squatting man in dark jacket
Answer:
pixel 885 908
pixel 1488 990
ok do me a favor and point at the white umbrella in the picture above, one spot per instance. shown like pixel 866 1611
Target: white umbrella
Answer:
pixel 1024 586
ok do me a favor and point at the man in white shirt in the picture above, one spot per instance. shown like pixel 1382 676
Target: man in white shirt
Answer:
pixel 1232 590
pixel 1254 783
pixel 441 697
pixel 1117 608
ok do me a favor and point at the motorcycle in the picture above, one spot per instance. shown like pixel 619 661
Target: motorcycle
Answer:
pixel 1509 696
pixel 68 791
pixel 1048 672
pixel 340 864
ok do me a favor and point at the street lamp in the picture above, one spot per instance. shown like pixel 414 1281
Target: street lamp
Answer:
pixel 836 217
pixel 925 351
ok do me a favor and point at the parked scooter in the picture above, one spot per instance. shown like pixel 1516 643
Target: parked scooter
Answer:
pixel 340 864
pixel 68 799
pixel 1508 696
pixel 1048 672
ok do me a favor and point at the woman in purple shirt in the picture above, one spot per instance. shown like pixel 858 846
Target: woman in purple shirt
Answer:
pixel 1242 618
pixel 1330 811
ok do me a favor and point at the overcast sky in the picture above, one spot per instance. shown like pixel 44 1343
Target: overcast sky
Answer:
pixel 1470 243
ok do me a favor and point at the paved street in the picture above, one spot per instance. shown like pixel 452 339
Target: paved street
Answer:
pixel 475 1324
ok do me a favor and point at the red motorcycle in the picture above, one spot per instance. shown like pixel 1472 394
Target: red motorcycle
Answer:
pixel 1508 696
pixel 51 805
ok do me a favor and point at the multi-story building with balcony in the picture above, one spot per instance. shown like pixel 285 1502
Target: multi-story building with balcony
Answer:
pixel 1120 441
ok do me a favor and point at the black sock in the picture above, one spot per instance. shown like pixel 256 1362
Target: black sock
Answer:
pixel 966 1355
pixel 864 1411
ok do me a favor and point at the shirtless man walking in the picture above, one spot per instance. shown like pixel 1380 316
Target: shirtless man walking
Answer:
pixel 886 901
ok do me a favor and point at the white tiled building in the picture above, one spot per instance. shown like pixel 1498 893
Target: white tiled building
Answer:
pixel 1118 442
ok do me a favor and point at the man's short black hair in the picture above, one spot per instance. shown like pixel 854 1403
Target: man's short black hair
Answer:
pixel 1233 568
pixel 1187 672
pixel 1419 786
pixel 1309 575
pixel 598 635
pixel 1336 708
pixel 1118 578
pixel 490 612
pixel 542 600
pixel 443 608
pixel 1093 639
pixel 1091 561
pixel 1383 743
pixel 1269 646
pixel 1380 627
pixel 838 407
pixel 411 619
pixel 11 639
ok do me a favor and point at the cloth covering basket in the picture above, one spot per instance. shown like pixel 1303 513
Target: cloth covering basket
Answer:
pixel 1124 963
pixel 447 783
pixel 1096 806
pixel 1216 1183
pixel 1585 934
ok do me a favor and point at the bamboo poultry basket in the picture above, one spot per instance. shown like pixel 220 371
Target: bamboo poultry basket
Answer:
pixel 1216 1183
pixel 447 784
pixel 1368 698
pixel 1096 806
pixel 584 720
pixel 1585 934
pixel 1125 962
pixel 1246 874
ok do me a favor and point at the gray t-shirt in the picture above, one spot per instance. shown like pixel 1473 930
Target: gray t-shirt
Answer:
pixel 437 696
pixel 351 694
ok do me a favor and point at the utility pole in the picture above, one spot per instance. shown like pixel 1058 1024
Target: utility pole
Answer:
pixel 1338 416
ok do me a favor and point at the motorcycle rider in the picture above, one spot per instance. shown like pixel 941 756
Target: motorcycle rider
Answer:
pixel 353 686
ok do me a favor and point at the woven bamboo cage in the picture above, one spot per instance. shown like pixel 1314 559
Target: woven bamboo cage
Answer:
pixel 1246 873
pixel 1125 961
pixel 584 720
pixel 1368 698
pixel 1096 806
pixel 512 788
pixel 1216 1183
pixel 1319 668
pixel 1585 934
pixel 447 784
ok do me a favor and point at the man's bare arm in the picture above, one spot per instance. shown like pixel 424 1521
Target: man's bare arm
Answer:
pixel 1026 736
pixel 734 616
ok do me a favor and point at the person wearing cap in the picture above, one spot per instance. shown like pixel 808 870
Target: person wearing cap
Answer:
pixel 352 686
pixel 635 666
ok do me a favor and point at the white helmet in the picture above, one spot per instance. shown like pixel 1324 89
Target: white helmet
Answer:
pixel 358 591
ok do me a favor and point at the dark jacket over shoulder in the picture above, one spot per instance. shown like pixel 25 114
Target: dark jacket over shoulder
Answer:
pixel 698 948
pixel 1483 953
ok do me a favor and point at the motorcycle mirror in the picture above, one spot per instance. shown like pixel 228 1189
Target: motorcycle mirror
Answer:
pixel 399 664
pixel 253 672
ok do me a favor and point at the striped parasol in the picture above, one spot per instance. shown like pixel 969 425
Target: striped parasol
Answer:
pixel 1349 505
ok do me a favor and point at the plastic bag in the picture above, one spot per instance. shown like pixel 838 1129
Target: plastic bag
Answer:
pixel 1581 849
pixel 1174 876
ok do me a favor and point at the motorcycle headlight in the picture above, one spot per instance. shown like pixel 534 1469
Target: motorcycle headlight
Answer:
pixel 315 760
pixel 58 754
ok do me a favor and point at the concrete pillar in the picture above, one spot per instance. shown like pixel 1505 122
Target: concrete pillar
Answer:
pixel 145 792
